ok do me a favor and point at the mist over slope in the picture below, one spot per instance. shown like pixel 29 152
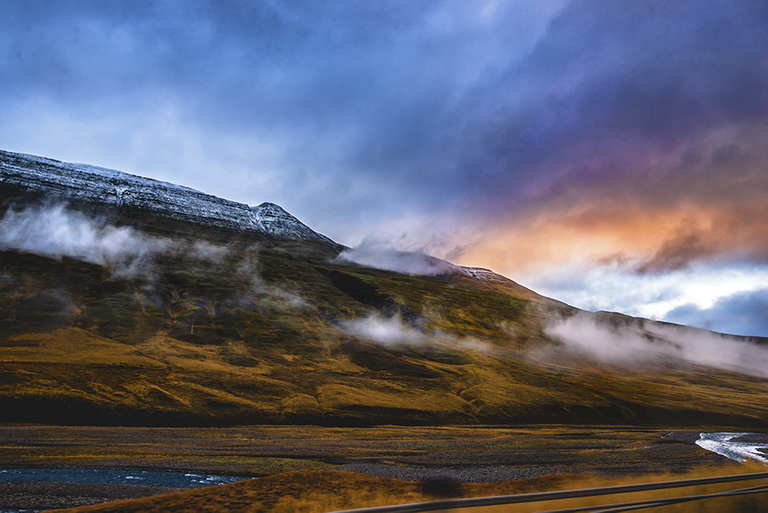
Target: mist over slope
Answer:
pixel 117 309
pixel 627 341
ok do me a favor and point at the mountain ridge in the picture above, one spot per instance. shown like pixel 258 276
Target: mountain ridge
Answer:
pixel 194 320
pixel 31 175
pixel 24 176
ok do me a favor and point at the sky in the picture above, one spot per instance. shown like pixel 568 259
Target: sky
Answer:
pixel 610 154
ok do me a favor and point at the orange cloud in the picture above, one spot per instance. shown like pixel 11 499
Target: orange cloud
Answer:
pixel 644 240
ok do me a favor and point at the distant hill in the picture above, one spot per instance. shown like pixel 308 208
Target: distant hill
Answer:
pixel 125 300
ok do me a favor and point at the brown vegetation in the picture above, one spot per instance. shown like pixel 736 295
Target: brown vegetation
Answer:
pixel 321 491
pixel 258 337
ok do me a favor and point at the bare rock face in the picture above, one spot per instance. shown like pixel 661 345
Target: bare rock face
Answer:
pixel 24 176
pixel 276 222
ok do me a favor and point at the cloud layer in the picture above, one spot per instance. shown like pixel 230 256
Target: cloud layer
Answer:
pixel 653 344
pixel 743 313
pixel 393 332
pixel 56 232
pixel 405 262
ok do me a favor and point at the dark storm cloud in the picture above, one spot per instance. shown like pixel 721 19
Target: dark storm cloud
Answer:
pixel 616 91
pixel 322 80
pixel 352 114
pixel 238 64
pixel 685 246
pixel 71 51
pixel 745 313
pixel 625 114
pixel 358 91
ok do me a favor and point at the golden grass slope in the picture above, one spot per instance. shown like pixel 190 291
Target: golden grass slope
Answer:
pixel 261 335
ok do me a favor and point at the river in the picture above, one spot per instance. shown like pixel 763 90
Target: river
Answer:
pixel 736 446
pixel 139 477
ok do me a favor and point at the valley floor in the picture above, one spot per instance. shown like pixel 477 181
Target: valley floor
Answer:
pixel 478 454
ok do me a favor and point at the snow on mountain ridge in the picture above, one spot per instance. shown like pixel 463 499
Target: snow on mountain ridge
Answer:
pixel 31 174
pixel 277 222
pixel 95 185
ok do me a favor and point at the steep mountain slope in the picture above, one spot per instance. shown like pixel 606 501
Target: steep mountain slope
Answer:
pixel 141 202
pixel 216 317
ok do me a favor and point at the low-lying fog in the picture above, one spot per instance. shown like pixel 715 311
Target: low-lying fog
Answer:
pixel 393 332
pixel 656 343
pixel 55 231
pixel 405 262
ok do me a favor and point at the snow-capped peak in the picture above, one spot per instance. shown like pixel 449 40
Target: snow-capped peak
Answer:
pixel 277 222
pixel 24 175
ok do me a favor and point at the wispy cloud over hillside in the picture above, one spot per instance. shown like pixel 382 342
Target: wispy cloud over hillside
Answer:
pixel 654 344
pixel 405 262
pixel 56 232
pixel 393 332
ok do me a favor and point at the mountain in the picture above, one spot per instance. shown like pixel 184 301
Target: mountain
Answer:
pixel 125 300
pixel 142 202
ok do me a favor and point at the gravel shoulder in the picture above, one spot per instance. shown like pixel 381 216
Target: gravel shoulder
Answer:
pixel 46 495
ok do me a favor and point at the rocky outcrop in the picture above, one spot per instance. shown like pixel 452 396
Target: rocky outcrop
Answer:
pixel 31 176
pixel 276 222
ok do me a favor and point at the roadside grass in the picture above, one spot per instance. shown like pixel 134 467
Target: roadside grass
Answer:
pixel 323 491
pixel 743 504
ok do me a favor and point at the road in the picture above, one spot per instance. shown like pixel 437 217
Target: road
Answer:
pixel 498 504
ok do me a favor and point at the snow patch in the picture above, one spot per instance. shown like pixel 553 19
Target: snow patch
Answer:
pixel 277 222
